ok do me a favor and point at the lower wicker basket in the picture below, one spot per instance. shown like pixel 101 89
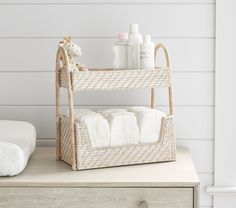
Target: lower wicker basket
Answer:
pixel 88 157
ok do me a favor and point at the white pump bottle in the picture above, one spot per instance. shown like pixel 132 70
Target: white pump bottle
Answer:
pixel 147 53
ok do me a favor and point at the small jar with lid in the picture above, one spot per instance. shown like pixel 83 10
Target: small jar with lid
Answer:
pixel 122 50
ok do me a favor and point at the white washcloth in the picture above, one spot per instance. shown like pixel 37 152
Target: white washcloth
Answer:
pixel 123 126
pixel 97 126
pixel 149 122
pixel 17 143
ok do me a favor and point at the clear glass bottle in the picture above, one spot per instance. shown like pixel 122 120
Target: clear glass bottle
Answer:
pixel 122 50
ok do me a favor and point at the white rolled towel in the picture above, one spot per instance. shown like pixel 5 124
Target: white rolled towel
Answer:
pixel 123 126
pixel 97 126
pixel 149 122
pixel 79 112
pixel 108 112
pixel 12 159
pixel 17 143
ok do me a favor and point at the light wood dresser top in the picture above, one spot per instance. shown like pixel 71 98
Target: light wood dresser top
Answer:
pixel 44 171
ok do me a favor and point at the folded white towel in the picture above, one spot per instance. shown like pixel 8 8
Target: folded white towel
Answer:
pixel 97 126
pixel 79 113
pixel 123 126
pixel 108 112
pixel 149 122
pixel 17 143
pixel 82 110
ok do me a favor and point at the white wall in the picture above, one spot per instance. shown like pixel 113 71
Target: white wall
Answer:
pixel 224 189
pixel 30 31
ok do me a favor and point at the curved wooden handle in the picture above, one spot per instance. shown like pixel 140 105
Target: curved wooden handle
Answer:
pixel 143 204
pixel 63 57
pixel 170 89
pixel 164 48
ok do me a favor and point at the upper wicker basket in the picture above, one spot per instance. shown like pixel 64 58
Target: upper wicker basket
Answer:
pixel 73 145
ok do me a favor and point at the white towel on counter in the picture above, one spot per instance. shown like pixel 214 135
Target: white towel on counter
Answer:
pixel 97 126
pixel 17 143
pixel 123 126
pixel 12 159
pixel 149 122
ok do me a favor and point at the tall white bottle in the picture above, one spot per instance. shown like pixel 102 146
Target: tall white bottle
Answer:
pixel 147 53
pixel 135 39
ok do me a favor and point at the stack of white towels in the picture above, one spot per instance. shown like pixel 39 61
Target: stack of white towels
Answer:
pixel 113 127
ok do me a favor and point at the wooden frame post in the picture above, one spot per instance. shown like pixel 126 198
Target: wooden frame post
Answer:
pixel 63 63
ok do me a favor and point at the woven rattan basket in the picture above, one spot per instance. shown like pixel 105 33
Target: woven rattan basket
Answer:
pixel 73 144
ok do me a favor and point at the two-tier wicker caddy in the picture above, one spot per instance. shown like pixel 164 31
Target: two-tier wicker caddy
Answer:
pixel 72 141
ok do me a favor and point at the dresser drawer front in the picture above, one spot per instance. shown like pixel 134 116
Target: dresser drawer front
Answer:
pixel 95 197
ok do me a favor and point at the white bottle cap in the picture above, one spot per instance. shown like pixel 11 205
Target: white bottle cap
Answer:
pixel 133 28
pixel 147 38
